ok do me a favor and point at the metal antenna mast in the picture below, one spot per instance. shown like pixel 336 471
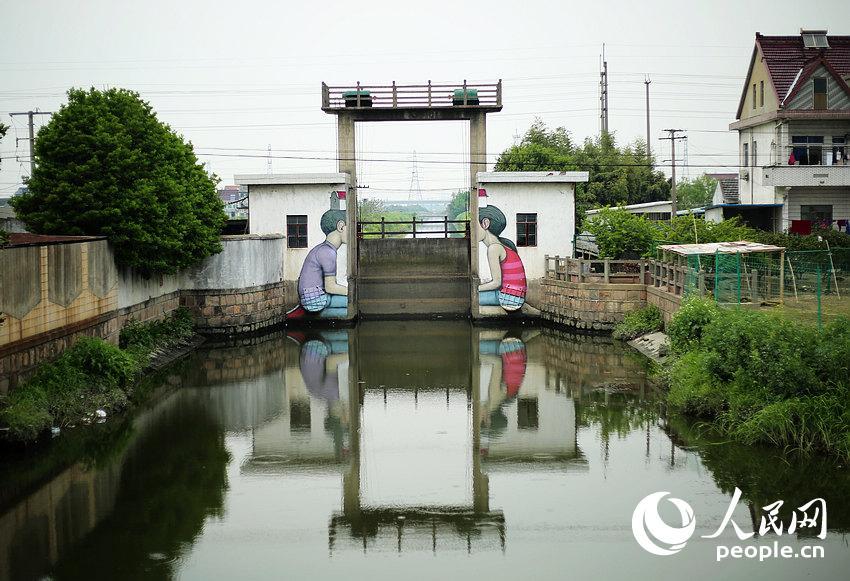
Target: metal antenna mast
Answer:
pixel 603 94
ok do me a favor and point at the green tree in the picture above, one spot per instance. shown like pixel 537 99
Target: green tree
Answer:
pixel 695 193
pixel 618 175
pixel 105 165
pixel 458 205
pixel 621 234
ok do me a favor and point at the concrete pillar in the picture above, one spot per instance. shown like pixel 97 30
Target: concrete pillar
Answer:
pixel 346 151
pixel 477 160
pixel 351 480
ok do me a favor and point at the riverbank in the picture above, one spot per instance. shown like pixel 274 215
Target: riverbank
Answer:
pixel 759 378
pixel 94 379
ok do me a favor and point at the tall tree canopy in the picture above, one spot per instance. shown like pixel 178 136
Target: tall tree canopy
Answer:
pixel 618 175
pixel 105 165
pixel 695 193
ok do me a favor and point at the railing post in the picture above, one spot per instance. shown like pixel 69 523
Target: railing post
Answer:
pixel 464 92
pixel 446 226
pixel 546 268
pixel 395 95
pixel 414 226
pixel 383 227
pixel 580 270
pixel 607 270
pixel 429 92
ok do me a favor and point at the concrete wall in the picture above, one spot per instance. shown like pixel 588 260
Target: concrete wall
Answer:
pixel 50 295
pixel 44 288
pixel 548 194
pixel 668 303
pixel 414 276
pixel 269 204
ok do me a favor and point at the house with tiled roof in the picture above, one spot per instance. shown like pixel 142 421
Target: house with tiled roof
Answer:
pixel 793 123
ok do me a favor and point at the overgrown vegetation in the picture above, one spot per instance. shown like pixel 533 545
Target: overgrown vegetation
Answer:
pixel 760 378
pixel 639 322
pixel 105 165
pixel 89 376
pixel 4 238
pixel 623 235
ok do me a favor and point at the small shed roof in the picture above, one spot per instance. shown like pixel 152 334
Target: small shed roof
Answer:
pixel 741 246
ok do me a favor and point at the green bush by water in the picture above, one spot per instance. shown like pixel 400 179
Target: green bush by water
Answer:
pixel 89 376
pixel 761 378
pixel 639 322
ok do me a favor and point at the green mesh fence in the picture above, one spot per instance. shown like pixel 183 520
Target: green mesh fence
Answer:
pixel 812 285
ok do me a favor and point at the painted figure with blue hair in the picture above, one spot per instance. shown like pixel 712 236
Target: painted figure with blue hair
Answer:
pixel 320 294
pixel 507 285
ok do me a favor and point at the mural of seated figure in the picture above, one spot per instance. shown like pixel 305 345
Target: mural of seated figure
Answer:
pixel 319 292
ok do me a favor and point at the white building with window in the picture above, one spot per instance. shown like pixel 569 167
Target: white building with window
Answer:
pixel 793 123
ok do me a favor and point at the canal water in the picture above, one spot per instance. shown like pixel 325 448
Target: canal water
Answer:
pixel 421 450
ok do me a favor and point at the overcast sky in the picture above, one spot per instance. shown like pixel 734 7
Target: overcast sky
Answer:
pixel 237 77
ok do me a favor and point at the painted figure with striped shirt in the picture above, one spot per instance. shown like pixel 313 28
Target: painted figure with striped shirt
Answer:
pixel 507 286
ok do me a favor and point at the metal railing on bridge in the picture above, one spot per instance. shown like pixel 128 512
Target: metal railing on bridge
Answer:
pixel 443 228
pixel 430 95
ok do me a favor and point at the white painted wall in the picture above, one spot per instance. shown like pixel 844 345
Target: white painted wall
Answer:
pixel 270 203
pixel 554 204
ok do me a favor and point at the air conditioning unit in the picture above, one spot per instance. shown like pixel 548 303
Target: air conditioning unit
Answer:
pixel 745 174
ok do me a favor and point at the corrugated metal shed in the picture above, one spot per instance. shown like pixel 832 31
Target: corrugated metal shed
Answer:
pixel 741 246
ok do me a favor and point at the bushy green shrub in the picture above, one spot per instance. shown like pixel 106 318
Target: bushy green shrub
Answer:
pixel 621 234
pixel 686 327
pixel 763 378
pixel 640 322
pixel 4 238
pixel 91 375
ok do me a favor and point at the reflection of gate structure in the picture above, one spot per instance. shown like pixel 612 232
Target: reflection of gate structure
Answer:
pixel 426 102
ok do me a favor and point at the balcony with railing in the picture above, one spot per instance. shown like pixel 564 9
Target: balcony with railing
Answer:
pixel 809 164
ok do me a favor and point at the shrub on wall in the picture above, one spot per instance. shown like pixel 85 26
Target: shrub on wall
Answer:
pixel 105 165
pixel 621 234
pixel 639 322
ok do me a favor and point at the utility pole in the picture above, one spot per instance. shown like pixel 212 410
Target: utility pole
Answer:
pixel 30 115
pixel 646 82
pixel 603 94
pixel 673 137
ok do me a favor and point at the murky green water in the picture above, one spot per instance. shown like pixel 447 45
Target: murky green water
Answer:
pixel 402 450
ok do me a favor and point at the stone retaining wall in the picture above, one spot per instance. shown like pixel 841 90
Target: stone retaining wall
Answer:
pixel 589 306
pixel 235 311
pixel 667 302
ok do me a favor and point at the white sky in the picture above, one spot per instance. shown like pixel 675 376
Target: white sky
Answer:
pixel 235 77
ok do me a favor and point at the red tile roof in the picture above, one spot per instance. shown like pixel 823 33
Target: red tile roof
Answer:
pixel 785 57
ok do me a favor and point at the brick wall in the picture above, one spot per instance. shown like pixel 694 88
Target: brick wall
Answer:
pixel 589 306
pixel 235 311
pixel 668 303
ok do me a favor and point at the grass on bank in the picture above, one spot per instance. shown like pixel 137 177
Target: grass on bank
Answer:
pixel 639 322
pixel 762 378
pixel 89 376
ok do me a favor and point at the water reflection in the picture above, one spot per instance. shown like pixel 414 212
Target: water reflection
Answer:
pixel 398 437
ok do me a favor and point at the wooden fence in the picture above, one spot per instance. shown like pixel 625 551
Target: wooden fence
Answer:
pixel 668 276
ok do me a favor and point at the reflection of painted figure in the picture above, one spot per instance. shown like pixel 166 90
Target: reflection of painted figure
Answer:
pixel 320 294
pixel 507 358
pixel 507 286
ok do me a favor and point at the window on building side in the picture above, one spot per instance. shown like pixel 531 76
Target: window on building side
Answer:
pixel 755 153
pixel 761 93
pixel 817 213
pixel 526 229
pixel 296 231
pixel 754 95
pixel 745 155
pixel 819 87
pixel 527 414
